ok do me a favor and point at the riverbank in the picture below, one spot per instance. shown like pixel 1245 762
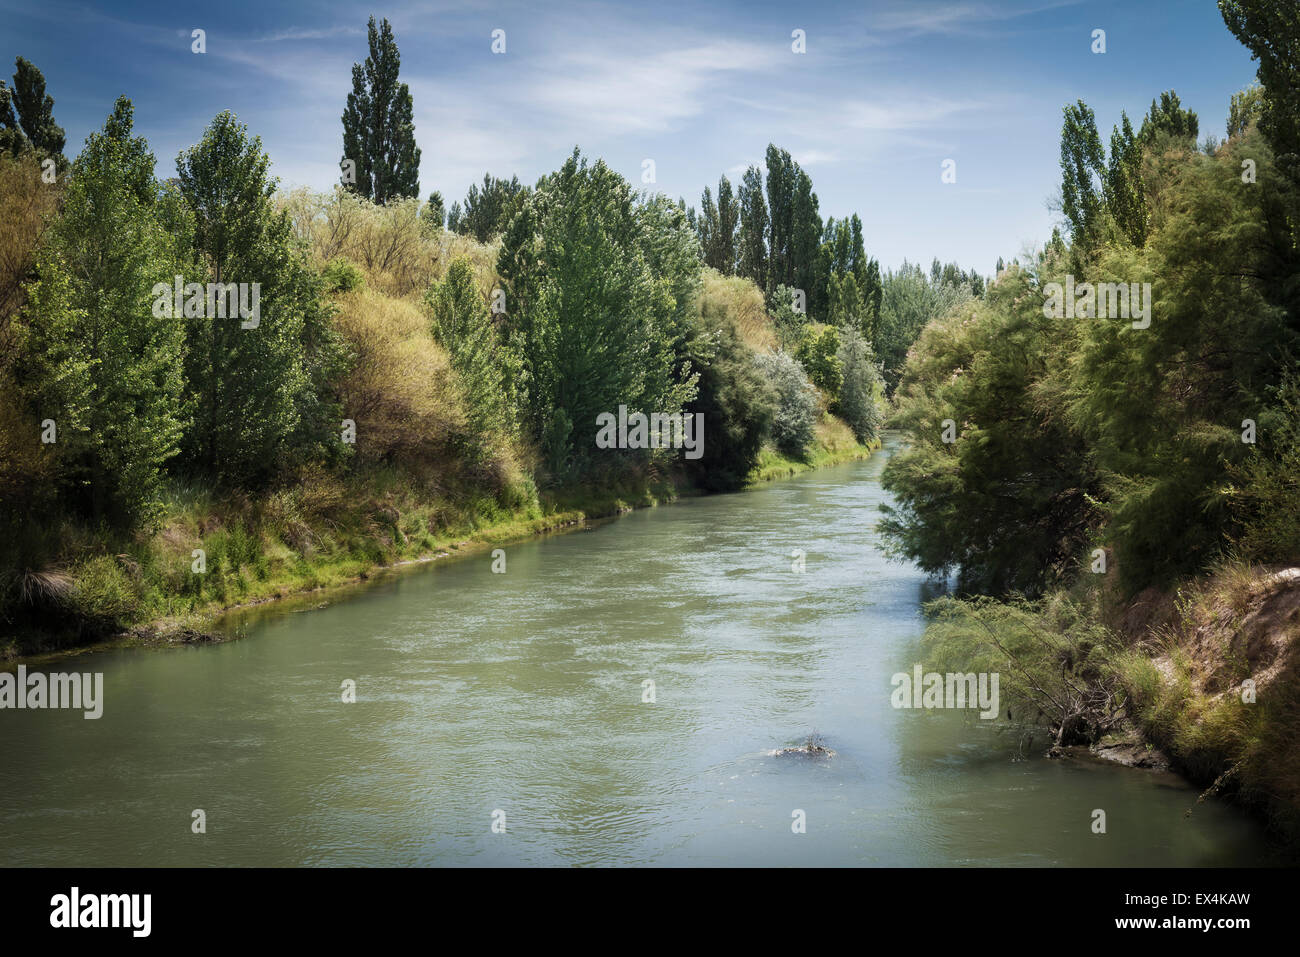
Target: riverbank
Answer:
pixel 208 557
pixel 1202 678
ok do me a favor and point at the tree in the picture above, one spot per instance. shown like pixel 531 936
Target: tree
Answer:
pixel 1245 109
pixel 1168 118
pixel 717 227
pixel 592 326
pixel 818 353
pixel 725 252
pixel 861 386
pixel 1124 191
pixel 805 242
pixel 378 129
pixel 257 388
pixel 910 300
pixel 33 125
pixel 103 364
pixel 991 484
pixel 1270 29
pixel 849 288
pixel 435 211
pixel 707 228
pixel 487 212
pixel 1083 169
pixel 12 139
pixel 461 325
pixel 735 399
pixel 1161 407
pixel 752 240
pixel 782 185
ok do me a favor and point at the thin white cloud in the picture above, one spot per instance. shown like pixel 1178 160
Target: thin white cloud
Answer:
pixel 299 33
pixel 651 90
pixel 917 19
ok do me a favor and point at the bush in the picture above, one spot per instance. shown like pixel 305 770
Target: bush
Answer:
pixel 742 302
pixel 1265 496
pixel 463 327
pixel 399 390
pixel 103 594
pixel 789 323
pixel 818 353
pixel 342 275
pixel 736 401
pixel 794 421
pixel 862 385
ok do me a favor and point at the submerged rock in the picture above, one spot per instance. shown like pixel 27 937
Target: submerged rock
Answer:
pixel 812 748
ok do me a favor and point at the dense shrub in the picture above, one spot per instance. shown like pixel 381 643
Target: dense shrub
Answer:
pixel 818 353
pixel 737 403
pixel 794 420
pixel 861 393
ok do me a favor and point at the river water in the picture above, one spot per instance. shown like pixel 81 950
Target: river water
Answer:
pixel 499 719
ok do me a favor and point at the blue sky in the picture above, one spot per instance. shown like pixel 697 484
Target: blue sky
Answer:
pixel 884 94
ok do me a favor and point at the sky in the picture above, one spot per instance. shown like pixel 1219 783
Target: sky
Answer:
pixel 884 93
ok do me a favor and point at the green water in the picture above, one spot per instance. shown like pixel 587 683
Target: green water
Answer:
pixel 522 693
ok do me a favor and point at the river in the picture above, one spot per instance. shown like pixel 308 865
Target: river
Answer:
pixel 516 700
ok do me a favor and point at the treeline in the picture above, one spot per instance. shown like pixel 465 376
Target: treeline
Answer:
pixel 1150 439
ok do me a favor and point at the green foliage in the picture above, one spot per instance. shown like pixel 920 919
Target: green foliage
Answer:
pixel 462 326
pixel 910 299
pixel 103 595
pixel 27 115
pixel 1057 665
pixel 378 128
pixel 1167 118
pixel 1270 29
pixel 1264 494
pixel 1162 407
pixel 862 390
pixel 1007 503
pixel 259 392
pixel 592 324
pixel 1124 191
pixel 788 321
pixel 1073 433
pixel 818 353
pixel 794 227
pixel 718 225
pixel 794 421
pixel 1083 169
pixel 434 212
pixel 850 287
pixel 104 365
pixel 487 212
pixel 737 402
pixel 752 239
pixel 1246 107
pixel 342 275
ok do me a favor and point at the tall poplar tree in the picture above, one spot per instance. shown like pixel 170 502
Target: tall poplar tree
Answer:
pixel 752 261
pixel 378 129
pixel 27 115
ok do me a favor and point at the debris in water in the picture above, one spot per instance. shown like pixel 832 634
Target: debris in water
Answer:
pixel 813 747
